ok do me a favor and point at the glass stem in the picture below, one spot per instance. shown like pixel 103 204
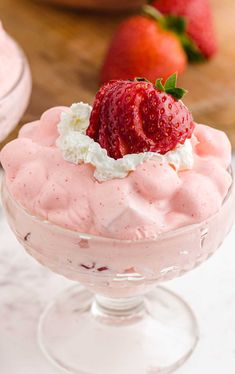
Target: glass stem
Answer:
pixel 118 310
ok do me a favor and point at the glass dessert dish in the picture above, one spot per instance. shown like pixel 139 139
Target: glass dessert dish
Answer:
pixel 119 320
pixel 14 101
pixel 119 197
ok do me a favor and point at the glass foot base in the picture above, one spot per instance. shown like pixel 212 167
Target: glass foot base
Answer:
pixel 158 339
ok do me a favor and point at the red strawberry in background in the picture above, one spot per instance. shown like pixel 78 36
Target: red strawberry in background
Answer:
pixel 137 116
pixel 199 22
pixel 142 46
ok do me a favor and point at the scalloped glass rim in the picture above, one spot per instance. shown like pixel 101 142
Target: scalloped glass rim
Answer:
pixel 22 71
pixel 167 234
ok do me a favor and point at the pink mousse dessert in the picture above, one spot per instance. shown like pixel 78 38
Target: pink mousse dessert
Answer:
pixel 132 169
pixel 15 84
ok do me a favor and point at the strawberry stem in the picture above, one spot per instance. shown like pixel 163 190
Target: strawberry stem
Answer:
pixel 152 12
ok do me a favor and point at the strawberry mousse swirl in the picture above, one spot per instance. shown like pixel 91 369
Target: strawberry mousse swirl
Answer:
pixel 79 148
pixel 58 172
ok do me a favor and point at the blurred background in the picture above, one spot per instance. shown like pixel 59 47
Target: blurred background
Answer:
pixel 66 42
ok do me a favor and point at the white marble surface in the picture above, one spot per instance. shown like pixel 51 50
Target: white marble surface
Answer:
pixel 26 287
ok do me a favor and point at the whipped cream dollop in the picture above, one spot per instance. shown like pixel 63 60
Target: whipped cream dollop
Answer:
pixel 78 148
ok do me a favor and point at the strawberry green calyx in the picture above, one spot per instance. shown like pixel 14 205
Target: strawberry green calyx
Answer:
pixel 170 87
pixel 178 25
pixel 169 22
pixel 191 49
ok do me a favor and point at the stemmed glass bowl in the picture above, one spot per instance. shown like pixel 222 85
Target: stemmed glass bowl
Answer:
pixel 116 319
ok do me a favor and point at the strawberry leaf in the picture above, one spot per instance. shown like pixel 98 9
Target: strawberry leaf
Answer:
pixel 171 82
pixel 174 23
pixel 177 93
pixel 191 49
pixel 170 87
pixel 159 85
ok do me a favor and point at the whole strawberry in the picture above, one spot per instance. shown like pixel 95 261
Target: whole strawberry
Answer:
pixel 137 116
pixel 199 23
pixel 142 47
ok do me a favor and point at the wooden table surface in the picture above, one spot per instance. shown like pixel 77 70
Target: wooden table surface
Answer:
pixel 66 47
